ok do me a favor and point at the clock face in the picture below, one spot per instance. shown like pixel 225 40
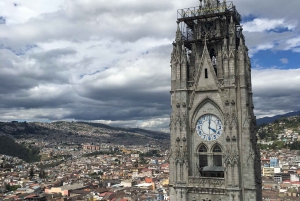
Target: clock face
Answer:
pixel 209 127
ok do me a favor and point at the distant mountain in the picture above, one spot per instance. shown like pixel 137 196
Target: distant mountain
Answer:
pixel 148 133
pixel 83 132
pixel 267 120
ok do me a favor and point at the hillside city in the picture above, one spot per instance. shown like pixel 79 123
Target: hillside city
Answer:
pixel 80 161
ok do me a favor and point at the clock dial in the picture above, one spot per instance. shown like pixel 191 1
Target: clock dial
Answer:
pixel 209 127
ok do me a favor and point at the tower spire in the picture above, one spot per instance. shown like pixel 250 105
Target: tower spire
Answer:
pixel 178 33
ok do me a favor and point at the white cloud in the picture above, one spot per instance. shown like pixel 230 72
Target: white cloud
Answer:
pixel 256 49
pixel 276 90
pixel 266 34
pixel 39 114
pixel 284 60
pixel 109 60
pixel 262 24
pixel 161 124
pixel 293 43
pixel 19 11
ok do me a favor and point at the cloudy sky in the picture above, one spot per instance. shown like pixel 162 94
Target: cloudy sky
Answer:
pixel 109 60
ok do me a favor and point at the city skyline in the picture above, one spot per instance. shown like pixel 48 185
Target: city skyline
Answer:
pixel 109 62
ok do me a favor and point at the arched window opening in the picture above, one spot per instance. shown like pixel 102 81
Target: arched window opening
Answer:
pixel 217 156
pixel 203 161
pixel 217 149
pixel 212 53
pixel 210 161
pixel 213 58
pixel 202 148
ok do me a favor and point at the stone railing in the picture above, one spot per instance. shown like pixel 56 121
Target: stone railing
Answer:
pixel 207 181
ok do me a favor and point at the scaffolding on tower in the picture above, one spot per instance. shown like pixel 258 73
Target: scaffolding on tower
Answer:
pixel 189 17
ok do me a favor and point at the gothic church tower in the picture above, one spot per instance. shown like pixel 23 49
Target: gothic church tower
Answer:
pixel 213 154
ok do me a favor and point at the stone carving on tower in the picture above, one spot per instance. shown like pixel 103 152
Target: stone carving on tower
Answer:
pixel 213 153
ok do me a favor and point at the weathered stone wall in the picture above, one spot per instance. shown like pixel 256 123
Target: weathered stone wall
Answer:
pixel 213 76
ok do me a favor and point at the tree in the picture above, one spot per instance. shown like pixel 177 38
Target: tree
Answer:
pixel 143 160
pixel 273 137
pixel 277 145
pixel 31 173
pixel 295 146
pixel 11 188
pixel 42 174
pixel 136 164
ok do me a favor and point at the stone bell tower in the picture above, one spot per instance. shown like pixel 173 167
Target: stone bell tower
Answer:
pixel 213 154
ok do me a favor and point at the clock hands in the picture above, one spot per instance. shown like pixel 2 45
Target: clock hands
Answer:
pixel 214 130
pixel 208 122
pixel 209 127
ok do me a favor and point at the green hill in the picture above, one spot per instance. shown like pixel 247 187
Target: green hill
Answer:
pixel 283 132
pixel 9 147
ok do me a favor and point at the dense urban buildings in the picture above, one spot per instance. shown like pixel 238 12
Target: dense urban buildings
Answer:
pixel 72 171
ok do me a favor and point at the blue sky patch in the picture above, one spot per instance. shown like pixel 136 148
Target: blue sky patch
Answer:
pixel 93 73
pixel 276 59
pixel 248 18
pixel 280 30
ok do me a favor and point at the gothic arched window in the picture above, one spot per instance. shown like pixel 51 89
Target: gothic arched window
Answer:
pixel 202 148
pixel 213 58
pixel 210 161
pixel 217 149
pixel 217 156
pixel 212 53
pixel 203 156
